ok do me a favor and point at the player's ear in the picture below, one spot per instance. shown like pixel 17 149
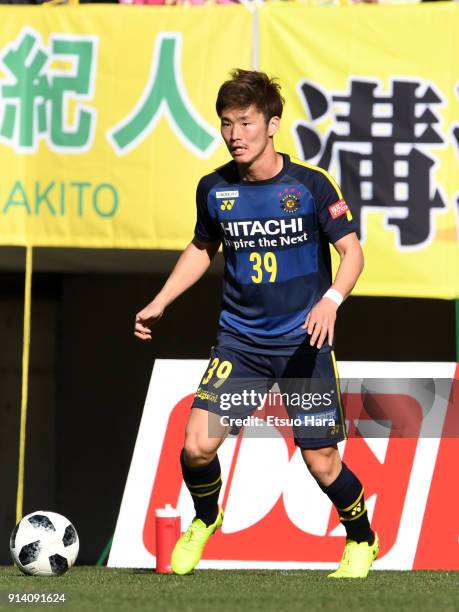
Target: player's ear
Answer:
pixel 273 125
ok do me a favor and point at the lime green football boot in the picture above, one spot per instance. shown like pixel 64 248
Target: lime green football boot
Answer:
pixel 357 559
pixel 188 550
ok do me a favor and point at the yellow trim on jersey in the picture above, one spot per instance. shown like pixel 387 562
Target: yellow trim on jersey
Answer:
pixel 353 503
pixel 327 175
pixel 318 169
pixel 335 368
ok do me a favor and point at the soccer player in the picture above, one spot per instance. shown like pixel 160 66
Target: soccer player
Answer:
pixel 275 218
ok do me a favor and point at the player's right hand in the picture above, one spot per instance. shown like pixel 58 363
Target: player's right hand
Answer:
pixel 146 318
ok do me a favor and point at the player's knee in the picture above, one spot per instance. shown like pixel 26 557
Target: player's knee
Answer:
pixel 198 452
pixel 323 464
pixel 322 472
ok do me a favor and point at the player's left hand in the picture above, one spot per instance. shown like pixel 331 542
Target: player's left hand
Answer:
pixel 320 322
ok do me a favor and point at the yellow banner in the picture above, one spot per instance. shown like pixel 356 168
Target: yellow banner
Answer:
pixel 107 120
pixel 373 97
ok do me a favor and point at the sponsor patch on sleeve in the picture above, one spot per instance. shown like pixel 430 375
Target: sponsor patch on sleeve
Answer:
pixel 338 208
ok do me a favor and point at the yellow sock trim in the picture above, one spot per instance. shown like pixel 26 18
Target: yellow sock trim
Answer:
pixel 353 518
pixel 205 494
pixel 353 503
pixel 201 486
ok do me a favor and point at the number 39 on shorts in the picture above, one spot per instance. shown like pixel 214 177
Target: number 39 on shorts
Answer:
pixel 221 369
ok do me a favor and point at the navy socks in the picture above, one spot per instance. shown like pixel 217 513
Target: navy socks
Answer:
pixel 346 493
pixel 204 484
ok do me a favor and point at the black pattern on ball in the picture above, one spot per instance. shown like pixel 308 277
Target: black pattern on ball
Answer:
pixel 70 536
pixel 13 536
pixel 58 564
pixel 41 522
pixel 29 552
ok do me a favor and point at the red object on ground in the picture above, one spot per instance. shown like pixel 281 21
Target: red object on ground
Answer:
pixel 167 534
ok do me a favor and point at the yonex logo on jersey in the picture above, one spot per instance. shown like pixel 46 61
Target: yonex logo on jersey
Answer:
pixel 227 204
pixel 338 208
pixel 221 195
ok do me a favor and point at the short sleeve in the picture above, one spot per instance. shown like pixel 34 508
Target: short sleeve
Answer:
pixel 206 228
pixel 335 216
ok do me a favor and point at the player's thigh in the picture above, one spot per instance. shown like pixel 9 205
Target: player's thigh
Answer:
pixel 232 387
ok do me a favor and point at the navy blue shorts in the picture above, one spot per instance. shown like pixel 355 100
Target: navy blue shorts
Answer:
pixel 296 395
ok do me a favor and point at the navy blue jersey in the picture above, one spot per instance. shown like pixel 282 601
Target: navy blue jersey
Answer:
pixel 275 235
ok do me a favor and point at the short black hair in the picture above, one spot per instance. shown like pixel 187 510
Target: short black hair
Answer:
pixel 247 87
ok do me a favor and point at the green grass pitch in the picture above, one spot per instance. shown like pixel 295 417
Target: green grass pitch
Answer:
pixel 104 589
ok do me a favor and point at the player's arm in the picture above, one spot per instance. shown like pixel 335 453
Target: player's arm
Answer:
pixel 320 322
pixel 192 264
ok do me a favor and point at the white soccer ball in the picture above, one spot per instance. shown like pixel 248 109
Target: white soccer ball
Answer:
pixel 44 544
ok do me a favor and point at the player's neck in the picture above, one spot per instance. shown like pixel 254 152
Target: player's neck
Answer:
pixel 263 168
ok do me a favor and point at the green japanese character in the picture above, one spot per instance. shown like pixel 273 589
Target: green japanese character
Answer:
pixel 164 94
pixel 29 91
pixel 78 86
pixel 35 96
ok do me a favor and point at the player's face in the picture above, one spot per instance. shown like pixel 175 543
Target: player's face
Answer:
pixel 246 133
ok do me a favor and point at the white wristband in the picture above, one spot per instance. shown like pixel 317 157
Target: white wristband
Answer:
pixel 333 294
